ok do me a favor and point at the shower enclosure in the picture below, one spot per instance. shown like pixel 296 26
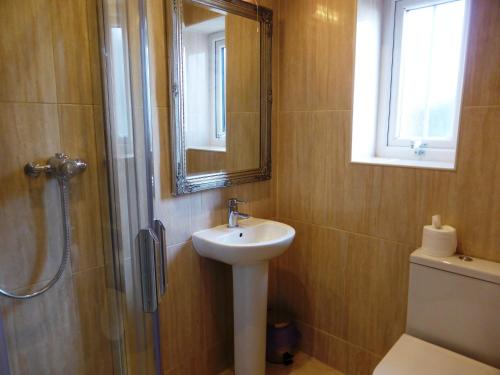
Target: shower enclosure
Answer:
pixel 74 79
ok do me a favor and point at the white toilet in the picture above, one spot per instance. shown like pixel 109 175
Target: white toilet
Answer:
pixel 453 323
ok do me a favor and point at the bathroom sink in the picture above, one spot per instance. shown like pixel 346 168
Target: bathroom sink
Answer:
pixel 248 248
pixel 255 240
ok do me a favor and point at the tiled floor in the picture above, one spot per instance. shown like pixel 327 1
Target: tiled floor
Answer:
pixel 303 365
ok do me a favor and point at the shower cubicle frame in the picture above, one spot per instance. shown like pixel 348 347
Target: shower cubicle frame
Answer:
pixel 144 162
pixel 141 176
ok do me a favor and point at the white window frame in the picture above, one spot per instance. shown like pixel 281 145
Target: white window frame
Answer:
pixel 387 145
pixel 216 41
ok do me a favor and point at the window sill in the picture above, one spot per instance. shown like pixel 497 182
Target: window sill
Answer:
pixel 439 165
pixel 208 148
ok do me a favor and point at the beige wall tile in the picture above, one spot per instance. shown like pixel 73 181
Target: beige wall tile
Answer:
pixel 78 140
pixel 243 68
pixel 392 221
pixel 335 352
pixel 30 325
pixel 316 54
pixel 181 313
pixel 434 190
pixel 354 204
pixel 476 210
pixel 219 358
pixel 61 331
pixel 72 61
pixel 207 209
pixel 216 298
pixel 332 281
pixel 243 141
pixel 159 85
pixel 376 292
pixel 204 161
pixel 207 362
pixel 192 13
pixel 194 365
pixel 29 205
pixel 311 278
pixel 90 292
pixel 258 198
pixel 367 199
pixel 161 132
pixel 293 277
pixel 307 158
pixel 482 74
pixel 176 214
pixel 27 70
pixel 360 361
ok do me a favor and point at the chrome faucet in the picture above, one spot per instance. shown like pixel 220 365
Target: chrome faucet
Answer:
pixel 233 214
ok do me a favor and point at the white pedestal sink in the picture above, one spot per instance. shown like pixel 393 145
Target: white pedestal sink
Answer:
pixel 248 248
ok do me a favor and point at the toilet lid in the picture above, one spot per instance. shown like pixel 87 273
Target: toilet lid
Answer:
pixel 412 356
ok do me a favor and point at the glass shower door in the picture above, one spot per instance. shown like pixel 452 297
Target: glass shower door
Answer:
pixel 124 32
pixel 73 79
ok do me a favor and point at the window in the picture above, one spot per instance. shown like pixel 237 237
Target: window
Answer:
pixel 418 90
pixel 426 74
pixel 218 86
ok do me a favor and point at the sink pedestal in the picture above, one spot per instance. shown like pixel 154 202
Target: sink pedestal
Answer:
pixel 250 283
pixel 248 248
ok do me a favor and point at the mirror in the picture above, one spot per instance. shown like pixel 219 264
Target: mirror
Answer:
pixel 220 81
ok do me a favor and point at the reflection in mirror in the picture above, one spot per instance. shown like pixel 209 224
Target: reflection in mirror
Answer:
pixel 221 98
pixel 221 93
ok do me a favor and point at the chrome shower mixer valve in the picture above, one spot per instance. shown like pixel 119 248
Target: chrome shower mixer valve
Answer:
pixel 60 165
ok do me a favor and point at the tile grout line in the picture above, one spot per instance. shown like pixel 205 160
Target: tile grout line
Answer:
pixel 340 339
pixel 346 231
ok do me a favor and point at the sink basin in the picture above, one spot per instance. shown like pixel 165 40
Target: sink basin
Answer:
pixel 255 240
pixel 248 248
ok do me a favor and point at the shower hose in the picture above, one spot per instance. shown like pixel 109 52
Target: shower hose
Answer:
pixel 63 187
pixel 63 168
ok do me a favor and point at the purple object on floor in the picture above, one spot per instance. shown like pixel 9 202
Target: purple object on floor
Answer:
pixel 282 342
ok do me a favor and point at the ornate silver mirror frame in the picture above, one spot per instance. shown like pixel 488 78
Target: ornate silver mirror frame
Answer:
pixel 181 182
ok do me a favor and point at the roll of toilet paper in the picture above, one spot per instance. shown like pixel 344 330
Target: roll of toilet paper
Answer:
pixel 439 242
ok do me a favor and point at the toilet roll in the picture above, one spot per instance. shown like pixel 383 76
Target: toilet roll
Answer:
pixel 439 242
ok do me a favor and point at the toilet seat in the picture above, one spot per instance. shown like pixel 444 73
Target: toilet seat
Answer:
pixel 412 356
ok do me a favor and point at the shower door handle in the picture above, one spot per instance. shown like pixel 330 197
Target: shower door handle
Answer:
pixel 148 245
pixel 153 264
pixel 161 259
